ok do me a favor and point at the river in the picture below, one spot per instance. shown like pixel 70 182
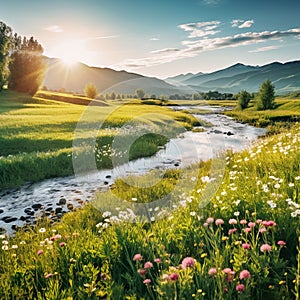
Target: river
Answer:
pixel 56 196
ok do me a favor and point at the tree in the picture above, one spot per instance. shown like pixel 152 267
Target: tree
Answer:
pixel 266 96
pixel 140 93
pixel 243 99
pixel 5 47
pixel 27 66
pixel 90 90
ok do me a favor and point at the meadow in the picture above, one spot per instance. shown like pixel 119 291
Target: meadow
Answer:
pixel 36 134
pixel 244 244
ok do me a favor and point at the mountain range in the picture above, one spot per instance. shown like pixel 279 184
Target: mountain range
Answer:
pixel 285 77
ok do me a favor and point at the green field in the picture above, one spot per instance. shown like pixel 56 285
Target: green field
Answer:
pixel 36 134
pixel 244 244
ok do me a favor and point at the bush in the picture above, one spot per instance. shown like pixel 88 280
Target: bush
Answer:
pixel 90 91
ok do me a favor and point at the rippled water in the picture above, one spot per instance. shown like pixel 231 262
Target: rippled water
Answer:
pixel 59 195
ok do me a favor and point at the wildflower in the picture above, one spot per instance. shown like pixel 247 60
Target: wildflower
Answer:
pixel 14 247
pixel 236 213
pixel 48 275
pixel 76 234
pixel 245 274
pixel 62 244
pixel 193 213
pixel 42 230
pixel 137 257
pixel 2 236
pixel 281 243
pixel 232 221
pixel 134 199
pixel 246 246
pixel 269 223
pixel 147 281
pixel 4 247
pixel 263 230
pixel 40 252
pixel 212 271
pixel 243 222
pixel 265 248
pixel 165 277
pixel 209 220
pixel 258 221
pixel 173 276
pixel 148 265
pixel 251 224
pixel 248 229
pixel 240 287
pixel 142 272
pixel 203 255
pixel 157 260
pixel 188 262
pixel 227 270
pixel 219 222
pixel 55 237
pixel 106 214
pixel 232 230
pixel 205 224
pixel 22 243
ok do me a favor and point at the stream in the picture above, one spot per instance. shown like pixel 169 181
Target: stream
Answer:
pixel 56 196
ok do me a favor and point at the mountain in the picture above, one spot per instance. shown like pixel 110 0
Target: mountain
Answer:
pixel 74 78
pixel 285 77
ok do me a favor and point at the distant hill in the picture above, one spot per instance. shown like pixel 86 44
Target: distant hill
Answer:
pixel 285 77
pixel 74 78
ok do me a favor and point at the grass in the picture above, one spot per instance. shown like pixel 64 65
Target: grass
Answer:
pixel 286 110
pixel 36 134
pixel 244 244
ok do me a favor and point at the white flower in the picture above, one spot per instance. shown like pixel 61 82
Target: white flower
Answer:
pixel 193 213
pixel 297 178
pixel 14 247
pixel 291 184
pixel 42 230
pixel 2 236
pixel 237 213
pixel 134 199
pixel 106 214
pixel 272 204
pixel 277 186
pixel 5 247
pixel 193 178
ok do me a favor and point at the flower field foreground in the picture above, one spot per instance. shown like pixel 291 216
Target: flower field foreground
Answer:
pixel 243 245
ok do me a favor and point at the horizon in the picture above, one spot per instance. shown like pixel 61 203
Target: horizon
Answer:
pixel 171 39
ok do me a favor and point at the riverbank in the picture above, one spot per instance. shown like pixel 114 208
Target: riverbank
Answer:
pixel 243 243
pixel 36 134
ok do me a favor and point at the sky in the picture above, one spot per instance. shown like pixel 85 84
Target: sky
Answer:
pixel 160 38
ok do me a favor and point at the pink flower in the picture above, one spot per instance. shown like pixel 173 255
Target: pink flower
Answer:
pixel 263 230
pixel 251 224
pixel 232 221
pixel 230 276
pixel 281 243
pixel 148 265
pixel 212 271
pixel 269 223
pixel 240 288
pixel 227 270
pixel 157 260
pixel 245 274
pixel 55 237
pixel 209 220
pixel 188 262
pixel 243 222
pixel 258 221
pixel 173 276
pixel 231 231
pixel 265 248
pixel 142 272
pixel 219 222
pixel 48 275
pixel 246 246
pixel 147 281
pixel 247 229
pixel 165 277
pixel 40 252
pixel 205 224
pixel 62 244
pixel 137 257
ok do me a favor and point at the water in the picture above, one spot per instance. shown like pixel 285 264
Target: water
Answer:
pixel 59 195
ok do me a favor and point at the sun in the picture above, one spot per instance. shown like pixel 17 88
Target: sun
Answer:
pixel 71 51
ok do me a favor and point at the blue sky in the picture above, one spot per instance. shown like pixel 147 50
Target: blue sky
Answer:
pixel 161 38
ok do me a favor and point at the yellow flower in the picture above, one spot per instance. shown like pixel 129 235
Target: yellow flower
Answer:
pixel 281 282
pixel 203 255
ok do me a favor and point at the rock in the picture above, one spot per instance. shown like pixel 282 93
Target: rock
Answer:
pixel 58 210
pixel 9 219
pixel 2 230
pixel 36 206
pixel 23 218
pixel 217 131
pixel 229 133
pixel 62 201
pixel 15 227
pixel 49 208
pixel 108 176
pixel 176 164
pixel 29 211
pixel 106 182
pixel 1 211
pixel 70 206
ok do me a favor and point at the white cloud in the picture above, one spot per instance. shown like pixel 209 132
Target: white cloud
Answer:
pixel 242 23
pixel 192 48
pixel 211 2
pixel 263 49
pixel 54 28
pixel 104 37
pixel 154 39
pixel 201 29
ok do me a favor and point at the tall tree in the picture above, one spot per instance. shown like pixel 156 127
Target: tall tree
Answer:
pixel 243 99
pixel 5 47
pixel 266 96
pixel 27 66
pixel 140 93
pixel 90 90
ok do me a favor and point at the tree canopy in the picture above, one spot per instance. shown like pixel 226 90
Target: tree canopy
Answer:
pixel 266 96
pixel 5 47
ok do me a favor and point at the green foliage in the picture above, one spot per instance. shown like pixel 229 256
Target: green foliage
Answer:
pixel 5 46
pixel 27 67
pixel 90 90
pixel 266 96
pixel 140 93
pixel 243 99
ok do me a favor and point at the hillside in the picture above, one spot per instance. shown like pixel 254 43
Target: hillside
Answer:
pixel 285 77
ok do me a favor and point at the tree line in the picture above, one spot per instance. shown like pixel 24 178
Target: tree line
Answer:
pixel 22 65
